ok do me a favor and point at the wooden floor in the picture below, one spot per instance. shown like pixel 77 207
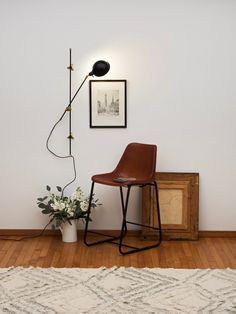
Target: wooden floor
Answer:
pixel 50 251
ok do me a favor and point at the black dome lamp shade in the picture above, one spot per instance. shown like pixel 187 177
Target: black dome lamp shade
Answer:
pixel 100 68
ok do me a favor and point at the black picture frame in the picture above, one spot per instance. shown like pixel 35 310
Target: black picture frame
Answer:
pixel 108 103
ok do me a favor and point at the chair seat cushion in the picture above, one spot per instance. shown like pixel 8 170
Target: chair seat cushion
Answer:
pixel 115 179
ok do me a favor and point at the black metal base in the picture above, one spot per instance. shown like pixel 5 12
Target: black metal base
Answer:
pixel 123 231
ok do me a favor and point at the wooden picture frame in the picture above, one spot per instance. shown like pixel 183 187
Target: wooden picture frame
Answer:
pixel 179 205
pixel 107 104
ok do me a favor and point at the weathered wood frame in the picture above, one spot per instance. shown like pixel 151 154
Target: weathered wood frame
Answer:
pixel 186 187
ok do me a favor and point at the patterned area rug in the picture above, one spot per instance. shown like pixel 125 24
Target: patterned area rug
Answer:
pixel 117 290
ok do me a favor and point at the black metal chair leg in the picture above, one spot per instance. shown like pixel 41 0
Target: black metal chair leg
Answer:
pixel 123 208
pixel 124 225
pixel 86 231
pixel 88 213
pixel 158 210
pixel 124 211
pixel 123 231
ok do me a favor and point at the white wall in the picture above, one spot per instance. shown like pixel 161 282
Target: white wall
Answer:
pixel 179 60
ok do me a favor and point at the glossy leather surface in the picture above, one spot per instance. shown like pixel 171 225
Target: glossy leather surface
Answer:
pixel 138 163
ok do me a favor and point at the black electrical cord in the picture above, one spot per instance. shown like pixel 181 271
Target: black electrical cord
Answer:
pixel 68 108
pixel 63 157
pixel 28 237
pixel 75 176
pixel 56 155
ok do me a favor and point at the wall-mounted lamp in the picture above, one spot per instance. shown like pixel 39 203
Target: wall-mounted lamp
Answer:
pixel 100 68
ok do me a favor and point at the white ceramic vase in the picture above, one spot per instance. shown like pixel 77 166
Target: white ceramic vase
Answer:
pixel 69 231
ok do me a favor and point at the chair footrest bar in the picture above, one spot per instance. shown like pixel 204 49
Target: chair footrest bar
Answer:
pixel 103 234
pixel 134 247
pixel 126 245
pixel 125 249
pixel 111 238
pixel 101 242
pixel 139 249
pixel 141 225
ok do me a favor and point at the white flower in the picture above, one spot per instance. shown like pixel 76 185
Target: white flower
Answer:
pixel 58 205
pixel 78 195
pixel 70 211
pixel 84 206
pixel 66 208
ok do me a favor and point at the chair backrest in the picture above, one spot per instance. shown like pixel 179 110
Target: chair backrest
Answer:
pixel 138 161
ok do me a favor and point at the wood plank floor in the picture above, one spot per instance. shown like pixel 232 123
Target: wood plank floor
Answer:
pixel 50 251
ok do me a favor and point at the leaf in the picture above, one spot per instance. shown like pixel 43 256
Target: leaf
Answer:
pixel 59 189
pixel 46 211
pixel 48 188
pixel 42 205
pixel 41 199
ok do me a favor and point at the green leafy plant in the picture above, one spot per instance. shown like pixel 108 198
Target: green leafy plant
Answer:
pixel 62 208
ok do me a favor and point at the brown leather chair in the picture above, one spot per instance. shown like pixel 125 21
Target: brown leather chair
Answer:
pixel 135 168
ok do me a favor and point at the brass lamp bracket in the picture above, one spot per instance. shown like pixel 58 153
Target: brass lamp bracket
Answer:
pixel 70 67
pixel 71 136
pixel 68 108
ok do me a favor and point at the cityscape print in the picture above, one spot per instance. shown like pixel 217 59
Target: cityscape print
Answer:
pixel 108 102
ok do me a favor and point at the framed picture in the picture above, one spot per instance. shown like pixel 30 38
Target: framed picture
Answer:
pixel 107 103
pixel 178 199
